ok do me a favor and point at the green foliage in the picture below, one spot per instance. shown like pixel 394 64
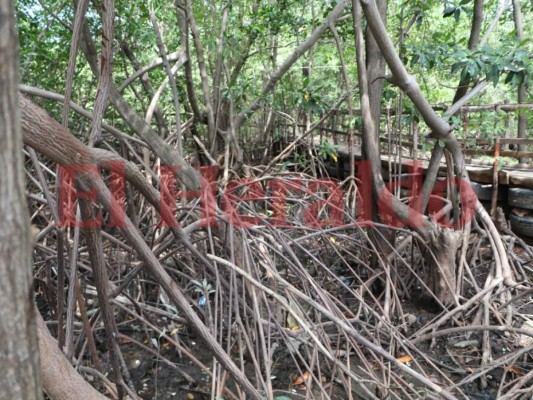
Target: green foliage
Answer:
pixel 411 116
pixel 456 8
pixel 425 144
pixel 492 64
pixel 327 149
pixel 492 124
pixel 458 126
pixel 271 18
pixel 310 97
pixel 486 125
pixel 389 93
pixel 356 123
pixel 203 287
pixel 239 91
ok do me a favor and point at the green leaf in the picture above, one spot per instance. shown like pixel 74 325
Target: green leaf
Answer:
pixel 464 74
pixel 456 67
pixel 524 42
pixel 472 69
pixel 493 75
pixel 511 67
pixel 457 14
pixel 509 77
pixel 448 11
pixel 517 79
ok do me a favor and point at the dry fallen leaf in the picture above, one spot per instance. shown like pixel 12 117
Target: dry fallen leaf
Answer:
pixel 405 359
pixel 302 378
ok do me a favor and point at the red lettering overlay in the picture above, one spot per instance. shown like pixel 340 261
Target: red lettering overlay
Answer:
pixel 118 194
pixel 326 209
pixel 365 198
pixel 241 190
pixel 468 202
pixel 412 181
pixel 280 189
pixel 333 203
pixel 68 196
pixel 206 194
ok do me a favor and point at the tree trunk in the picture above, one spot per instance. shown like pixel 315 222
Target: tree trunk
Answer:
pixel 475 31
pixel 441 262
pixel 441 130
pixel 18 347
pixel 522 90
pixel 375 66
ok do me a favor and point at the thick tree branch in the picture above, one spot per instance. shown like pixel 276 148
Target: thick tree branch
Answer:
pixel 475 31
pixel 104 77
pixel 211 128
pixel 181 14
pixel 375 64
pixel 61 381
pixel 405 81
pixel 387 202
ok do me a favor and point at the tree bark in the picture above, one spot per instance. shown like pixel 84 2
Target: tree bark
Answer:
pixel 18 345
pixel 375 66
pixel 61 380
pixel 522 90
pixel 475 31
pixel 375 77
pixel 202 69
pixel 441 261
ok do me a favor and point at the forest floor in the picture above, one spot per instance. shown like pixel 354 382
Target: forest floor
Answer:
pixel 456 355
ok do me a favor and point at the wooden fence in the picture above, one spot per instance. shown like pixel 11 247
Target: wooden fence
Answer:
pixel 335 128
